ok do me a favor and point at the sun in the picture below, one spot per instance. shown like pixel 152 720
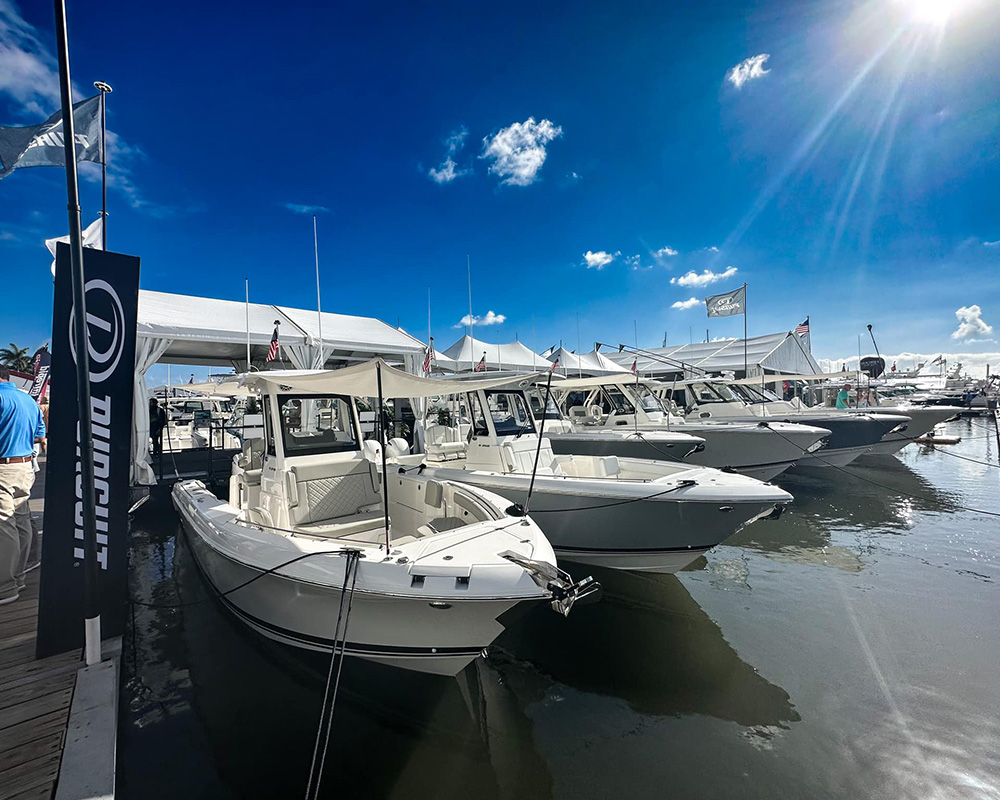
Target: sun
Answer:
pixel 932 12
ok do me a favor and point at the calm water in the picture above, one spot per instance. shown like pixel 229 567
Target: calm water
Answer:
pixel 849 649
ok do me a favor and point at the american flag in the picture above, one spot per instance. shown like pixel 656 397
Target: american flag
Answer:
pixel 803 328
pixel 635 363
pixel 481 366
pixel 555 366
pixel 427 359
pixel 272 351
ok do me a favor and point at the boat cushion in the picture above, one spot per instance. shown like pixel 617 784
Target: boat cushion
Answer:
pixel 327 492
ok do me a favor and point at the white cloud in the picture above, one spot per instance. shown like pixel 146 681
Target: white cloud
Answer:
pixel 575 176
pixel 971 323
pixel 28 71
pixel 600 259
pixel 704 278
pixel 635 262
pixel 992 244
pixel 449 169
pixel 7 236
pixel 489 319
pixel 748 70
pixel 684 305
pixel 301 209
pixel 712 249
pixel 518 151
pixel 664 252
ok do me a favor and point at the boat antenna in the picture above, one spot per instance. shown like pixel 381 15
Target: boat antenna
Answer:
pixel 874 342
pixel 382 445
pixel 538 448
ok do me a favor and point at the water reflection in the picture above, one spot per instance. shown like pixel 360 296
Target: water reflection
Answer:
pixel 649 643
pixel 829 502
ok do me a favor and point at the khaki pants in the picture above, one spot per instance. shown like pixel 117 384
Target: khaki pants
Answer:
pixel 16 481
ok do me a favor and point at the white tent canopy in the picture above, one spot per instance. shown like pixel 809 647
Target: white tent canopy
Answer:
pixel 592 363
pixel 774 352
pixel 513 356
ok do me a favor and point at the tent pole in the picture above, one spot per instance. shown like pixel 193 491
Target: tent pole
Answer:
pixel 746 372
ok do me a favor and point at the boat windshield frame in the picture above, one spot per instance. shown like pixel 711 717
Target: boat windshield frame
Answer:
pixel 323 444
pixel 519 421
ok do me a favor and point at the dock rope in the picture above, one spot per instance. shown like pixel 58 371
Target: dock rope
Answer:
pixel 337 655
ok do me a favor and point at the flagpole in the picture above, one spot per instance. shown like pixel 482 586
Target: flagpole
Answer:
pixel 91 587
pixel 746 372
pixel 319 311
pixel 468 264
pixel 105 89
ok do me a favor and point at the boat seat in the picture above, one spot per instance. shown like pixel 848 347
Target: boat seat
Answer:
pixel 606 466
pixel 446 451
pixel 251 477
pixel 331 492
pixel 347 526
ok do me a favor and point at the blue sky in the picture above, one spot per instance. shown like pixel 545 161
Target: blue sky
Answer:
pixel 590 157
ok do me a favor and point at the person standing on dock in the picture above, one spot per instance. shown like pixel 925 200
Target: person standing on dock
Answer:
pixel 157 422
pixel 21 425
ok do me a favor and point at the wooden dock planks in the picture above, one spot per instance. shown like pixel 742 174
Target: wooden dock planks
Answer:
pixel 35 696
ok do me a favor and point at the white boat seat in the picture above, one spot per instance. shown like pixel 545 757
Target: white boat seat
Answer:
pixel 434 494
pixel 397 447
pixel 606 466
pixel 327 492
pixel 347 527
pixel 251 477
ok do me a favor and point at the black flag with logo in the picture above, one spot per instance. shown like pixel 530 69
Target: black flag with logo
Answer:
pixel 42 145
pixel 111 281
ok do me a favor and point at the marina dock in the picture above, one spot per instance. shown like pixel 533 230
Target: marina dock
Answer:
pixel 54 712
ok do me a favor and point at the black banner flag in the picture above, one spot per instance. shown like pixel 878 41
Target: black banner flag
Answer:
pixel 43 363
pixel 112 291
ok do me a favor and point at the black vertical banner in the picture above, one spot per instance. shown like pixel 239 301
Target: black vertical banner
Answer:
pixel 112 287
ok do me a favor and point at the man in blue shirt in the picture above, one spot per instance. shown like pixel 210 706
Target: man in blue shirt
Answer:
pixel 21 425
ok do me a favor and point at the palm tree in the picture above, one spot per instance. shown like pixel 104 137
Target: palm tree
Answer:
pixel 16 358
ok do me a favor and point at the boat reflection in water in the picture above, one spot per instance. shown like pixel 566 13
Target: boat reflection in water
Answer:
pixel 804 532
pixel 240 712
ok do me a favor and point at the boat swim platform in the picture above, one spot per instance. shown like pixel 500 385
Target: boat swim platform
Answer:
pixel 58 717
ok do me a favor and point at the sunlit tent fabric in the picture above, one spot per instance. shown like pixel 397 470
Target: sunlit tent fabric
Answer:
pixel 512 356
pixel 592 363
pixel 183 329
pixel 774 352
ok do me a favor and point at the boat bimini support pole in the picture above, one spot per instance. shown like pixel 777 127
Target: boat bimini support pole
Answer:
pixel 382 446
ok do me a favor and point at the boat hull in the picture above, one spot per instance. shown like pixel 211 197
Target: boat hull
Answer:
pixel 399 630
pixel 744 449
pixel 622 531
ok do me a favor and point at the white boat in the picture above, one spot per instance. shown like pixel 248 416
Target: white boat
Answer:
pixel 851 434
pixel 430 566
pixel 622 513
pixel 619 416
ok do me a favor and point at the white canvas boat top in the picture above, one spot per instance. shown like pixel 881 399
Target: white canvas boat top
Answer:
pixel 361 380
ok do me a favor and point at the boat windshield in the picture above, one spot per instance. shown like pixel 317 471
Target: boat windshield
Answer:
pixel 551 410
pixel 714 393
pixel 647 400
pixel 509 412
pixel 315 424
pixel 615 401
